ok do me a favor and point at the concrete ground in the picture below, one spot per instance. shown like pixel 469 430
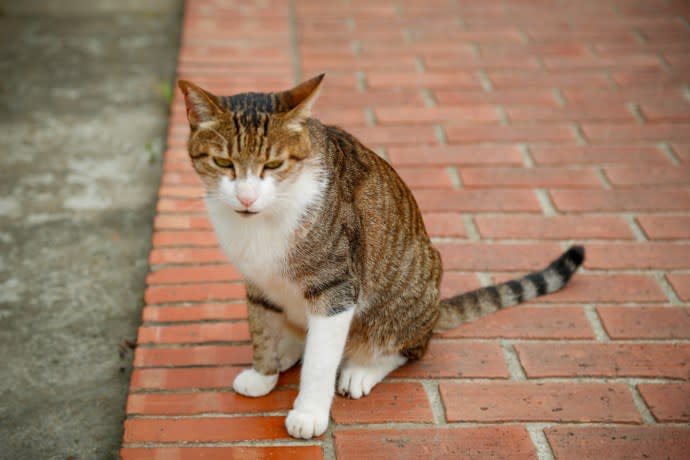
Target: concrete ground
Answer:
pixel 521 126
pixel 83 113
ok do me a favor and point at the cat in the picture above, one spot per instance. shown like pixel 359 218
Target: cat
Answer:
pixel 339 270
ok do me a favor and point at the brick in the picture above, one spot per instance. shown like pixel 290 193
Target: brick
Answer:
pixel 553 227
pixel 179 191
pixel 180 204
pixel 529 177
pixel 619 442
pixel 505 200
pixel 620 132
pixel 529 96
pixel 454 114
pixel 421 177
pixel 665 199
pixel 445 224
pixel 605 360
pixel 665 227
pixel 633 94
pixel 646 61
pixel 473 443
pixel 669 402
pixel 652 255
pixel 195 312
pixel 453 283
pixel 538 402
pixel 636 176
pixel 194 378
pixel 505 80
pixel 204 355
pixel 455 155
pixel 590 112
pixel 599 154
pixel 630 322
pixel 208 403
pixel 181 222
pixel 526 322
pixel 606 288
pixel 487 257
pixel 193 274
pixel 186 256
pixel 202 292
pixel 216 429
pixel 468 80
pixel 395 135
pixel 456 359
pixel 681 284
pixel 222 453
pixel 512 134
pixel 177 179
pixel 445 62
pixel 682 152
pixel 665 111
pixel 194 333
pixel 182 238
pixel 387 403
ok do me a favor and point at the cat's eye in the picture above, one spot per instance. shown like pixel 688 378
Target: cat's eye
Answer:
pixel 222 162
pixel 275 164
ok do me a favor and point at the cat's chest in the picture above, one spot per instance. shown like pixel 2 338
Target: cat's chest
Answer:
pixel 259 250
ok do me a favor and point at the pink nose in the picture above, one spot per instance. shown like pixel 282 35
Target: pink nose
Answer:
pixel 246 201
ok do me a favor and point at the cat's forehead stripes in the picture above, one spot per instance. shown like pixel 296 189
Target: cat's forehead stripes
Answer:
pixel 252 109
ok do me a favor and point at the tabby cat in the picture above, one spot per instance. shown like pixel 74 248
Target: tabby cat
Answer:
pixel 338 266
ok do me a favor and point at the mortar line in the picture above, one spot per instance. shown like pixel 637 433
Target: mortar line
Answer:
pixel 540 441
pixel 545 202
pixel 603 178
pixel 635 227
pixel 470 226
pixel 670 154
pixel 433 394
pixel 596 324
pixel 514 366
pixel 667 288
pixel 455 177
pixel 647 417
pixel 526 155
pixel 634 109
pixel 294 42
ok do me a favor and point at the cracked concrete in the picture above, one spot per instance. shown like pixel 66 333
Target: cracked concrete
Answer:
pixel 82 128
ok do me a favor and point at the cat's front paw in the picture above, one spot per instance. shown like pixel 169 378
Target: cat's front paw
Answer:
pixel 251 383
pixel 306 424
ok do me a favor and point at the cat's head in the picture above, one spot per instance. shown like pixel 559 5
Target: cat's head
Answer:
pixel 253 151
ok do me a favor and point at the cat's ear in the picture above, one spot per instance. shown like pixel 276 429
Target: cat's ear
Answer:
pixel 301 98
pixel 202 106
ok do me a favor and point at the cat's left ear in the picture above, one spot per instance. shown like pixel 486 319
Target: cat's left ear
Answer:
pixel 301 98
pixel 202 106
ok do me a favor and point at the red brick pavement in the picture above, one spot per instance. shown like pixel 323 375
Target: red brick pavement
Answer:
pixel 521 126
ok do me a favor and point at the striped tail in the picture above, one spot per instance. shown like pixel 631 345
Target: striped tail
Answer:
pixel 475 304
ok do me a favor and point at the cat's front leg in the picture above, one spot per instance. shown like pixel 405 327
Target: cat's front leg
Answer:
pixel 326 337
pixel 266 325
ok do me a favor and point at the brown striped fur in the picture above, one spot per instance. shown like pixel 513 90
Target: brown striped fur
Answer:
pixel 364 243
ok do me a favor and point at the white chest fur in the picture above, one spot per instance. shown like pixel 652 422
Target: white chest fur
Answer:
pixel 259 245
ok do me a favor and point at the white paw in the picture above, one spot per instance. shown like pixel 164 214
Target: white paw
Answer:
pixel 251 383
pixel 306 424
pixel 290 350
pixel 356 381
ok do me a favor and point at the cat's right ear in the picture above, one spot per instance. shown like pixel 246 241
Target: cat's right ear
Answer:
pixel 202 106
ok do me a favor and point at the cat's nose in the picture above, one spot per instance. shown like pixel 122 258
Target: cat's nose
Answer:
pixel 246 201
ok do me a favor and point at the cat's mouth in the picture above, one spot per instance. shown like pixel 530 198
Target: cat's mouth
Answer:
pixel 246 213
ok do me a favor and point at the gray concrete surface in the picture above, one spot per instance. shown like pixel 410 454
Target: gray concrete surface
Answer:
pixel 82 125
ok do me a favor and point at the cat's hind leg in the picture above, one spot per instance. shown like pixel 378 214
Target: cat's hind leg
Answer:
pixel 357 380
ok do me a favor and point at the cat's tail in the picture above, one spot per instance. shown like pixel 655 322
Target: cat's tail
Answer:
pixel 475 304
